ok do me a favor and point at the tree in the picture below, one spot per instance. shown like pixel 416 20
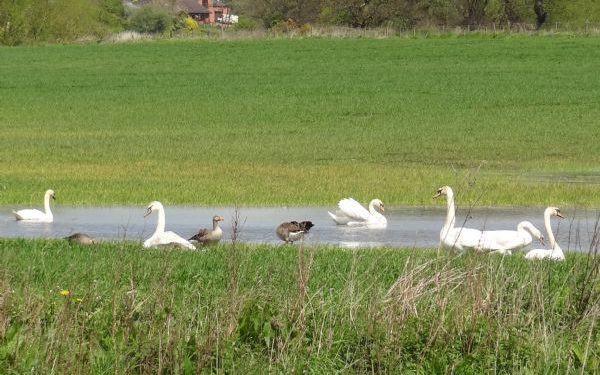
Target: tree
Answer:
pixel 152 19
pixel 269 12
pixel 540 13
pixel 473 11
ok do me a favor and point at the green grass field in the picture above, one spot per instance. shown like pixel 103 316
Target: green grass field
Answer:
pixel 118 308
pixel 505 121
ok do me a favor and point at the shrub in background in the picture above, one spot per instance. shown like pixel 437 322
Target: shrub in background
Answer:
pixel 245 23
pixel 112 14
pixel 71 19
pixel 153 20
pixel 284 26
pixel 23 21
pixel 13 22
pixel 190 23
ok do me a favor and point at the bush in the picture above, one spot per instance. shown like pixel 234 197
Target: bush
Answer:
pixel 23 21
pixel 151 19
pixel 13 25
pixel 190 23
pixel 245 23
pixel 284 26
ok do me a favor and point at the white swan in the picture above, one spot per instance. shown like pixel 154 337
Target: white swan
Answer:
pixel 504 241
pixel 554 252
pixel 160 237
pixel 38 216
pixel 459 238
pixel 352 213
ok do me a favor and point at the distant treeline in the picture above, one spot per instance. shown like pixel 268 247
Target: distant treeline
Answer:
pixel 31 21
pixel 58 20
pixel 408 14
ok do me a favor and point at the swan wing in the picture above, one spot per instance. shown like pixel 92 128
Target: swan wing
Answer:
pixel 538 254
pixel 32 215
pixel 354 210
pixel 503 240
pixel 150 242
pixel 556 254
pixel 339 218
pixel 463 238
pixel 167 238
pixel 172 237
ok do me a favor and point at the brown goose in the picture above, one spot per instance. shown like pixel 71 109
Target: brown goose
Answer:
pixel 81 239
pixel 293 231
pixel 207 236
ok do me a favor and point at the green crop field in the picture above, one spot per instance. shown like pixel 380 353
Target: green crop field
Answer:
pixel 118 308
pixel 512 120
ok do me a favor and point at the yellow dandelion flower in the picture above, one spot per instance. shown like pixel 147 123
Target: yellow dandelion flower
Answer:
pixel 78 300
pixel 65 292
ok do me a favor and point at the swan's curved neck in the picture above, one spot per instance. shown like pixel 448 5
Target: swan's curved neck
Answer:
pixel 450 215
pixel 47 204
pixel 160 225
pixel 526 229
pixel 374 211
pixel 548 226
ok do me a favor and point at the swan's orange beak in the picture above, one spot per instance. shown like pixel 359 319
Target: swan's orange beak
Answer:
pixel 437 194
pixel 560 215
pixel 148 211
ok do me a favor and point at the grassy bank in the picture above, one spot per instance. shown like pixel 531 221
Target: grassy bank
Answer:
pixel 303 121
pixel 117 308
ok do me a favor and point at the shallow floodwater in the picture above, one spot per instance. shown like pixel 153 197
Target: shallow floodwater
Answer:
pixel 416 227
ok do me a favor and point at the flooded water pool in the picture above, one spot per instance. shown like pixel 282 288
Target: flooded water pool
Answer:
pixel 415 227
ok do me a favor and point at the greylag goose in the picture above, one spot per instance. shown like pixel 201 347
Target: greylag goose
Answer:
pixel 80 239
pixel 209 236
pixel 293 230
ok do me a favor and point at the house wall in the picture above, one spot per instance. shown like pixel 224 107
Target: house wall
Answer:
pixel 215 10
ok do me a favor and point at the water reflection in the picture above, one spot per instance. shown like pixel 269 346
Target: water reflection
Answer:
pixel 416 227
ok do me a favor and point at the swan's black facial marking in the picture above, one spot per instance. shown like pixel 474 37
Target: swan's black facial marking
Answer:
pixel 559 214
pixel 148 210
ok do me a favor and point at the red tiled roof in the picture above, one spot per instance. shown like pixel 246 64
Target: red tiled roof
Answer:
pixel 192 6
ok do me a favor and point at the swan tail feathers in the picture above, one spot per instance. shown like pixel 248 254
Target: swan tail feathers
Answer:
pixel 335 218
